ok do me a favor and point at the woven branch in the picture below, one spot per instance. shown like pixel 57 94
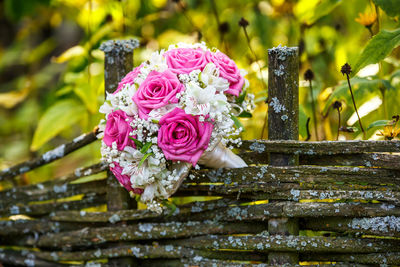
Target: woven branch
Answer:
pixel 49 156
pixel 320 147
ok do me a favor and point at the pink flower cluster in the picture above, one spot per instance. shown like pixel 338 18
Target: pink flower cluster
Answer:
pixel 181 136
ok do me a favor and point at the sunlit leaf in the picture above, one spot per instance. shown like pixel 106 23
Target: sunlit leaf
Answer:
pixel 146 147
pixel 379 123
pixel 363 90
pixel 87 91
pixel 377 48
pixel 309 11
pixel 138 144
pixel 16 9
pixel 75 51
pixel 302 122
pixel 144 159
pixel 58 117
pixel 41 50
pixel 391 7
pixel 10 99
pixel 237 122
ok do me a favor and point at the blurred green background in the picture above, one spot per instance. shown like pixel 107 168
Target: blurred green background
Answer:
pixel 51 70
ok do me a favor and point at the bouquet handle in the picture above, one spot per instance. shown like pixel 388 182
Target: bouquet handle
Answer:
pixel 219 157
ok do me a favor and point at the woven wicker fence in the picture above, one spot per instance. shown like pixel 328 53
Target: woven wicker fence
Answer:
pixel 315 203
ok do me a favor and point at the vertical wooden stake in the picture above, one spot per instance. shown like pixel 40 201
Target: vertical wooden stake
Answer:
pixel 283 124
pixel 118 62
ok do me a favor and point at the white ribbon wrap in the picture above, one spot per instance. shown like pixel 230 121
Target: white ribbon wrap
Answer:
pixel 219 157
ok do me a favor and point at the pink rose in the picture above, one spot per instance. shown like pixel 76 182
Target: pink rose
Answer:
pixel 118 129
pixel 185 60
pixel 124 179
pixel 183 137
pixel 129 78
pixel 158 90
pixel 227 70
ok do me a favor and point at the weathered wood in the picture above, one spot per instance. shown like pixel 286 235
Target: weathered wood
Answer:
pixel 18 192
pixel 384 259
pixel 283 124
pixel 279 243
pixel 212 211
pixel 42 226
pixel 387 161
pixel 321 147
pixel 49 156
pixel 166 251
pixel 309 174
pixel 142 231
pixel 381 226
pixel 118 62
pixel 59 191
pixel 24 258
pixel 131 215
pixel 286 191
pixel 204 262
pixel 46 208
pixel 198 262
pixel 283 95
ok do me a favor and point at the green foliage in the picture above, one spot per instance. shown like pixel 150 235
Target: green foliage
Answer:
pixel 309 12
pixel 378 48
pixel 50 61
pixel 63 114
pixel 391 7
pixel 16 9
pixel 378 123
pixel 363 90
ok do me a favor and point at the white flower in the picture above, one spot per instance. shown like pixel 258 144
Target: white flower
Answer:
pixel 156 114
pixel 121 100
pixel 106 108
pixel 152 191
pixel 203 101
pixel 201 45
pixel 210 77
pixel 158 62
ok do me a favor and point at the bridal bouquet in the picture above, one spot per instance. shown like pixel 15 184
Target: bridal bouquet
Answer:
pixel 174 111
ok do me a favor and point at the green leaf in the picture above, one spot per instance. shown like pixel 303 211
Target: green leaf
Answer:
pixel 379 47
pixel 16 9
pixel 73 52
pixel 302 122
pixel 138 144
pixel 146 147
pixel 241 98
pixel 58 117
pixel 379 123
pixel 171 206
pixel 88 92
pixel 237 122
pixel 309 11
pixel 391 7
pixel 144 159
pixel 363 89
pixel 245 114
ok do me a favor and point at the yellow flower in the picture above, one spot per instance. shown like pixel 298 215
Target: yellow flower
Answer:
pixel 366 19
pixel 389 132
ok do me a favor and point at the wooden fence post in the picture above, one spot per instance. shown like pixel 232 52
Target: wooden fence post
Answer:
pixel 283 124
pixel 118 62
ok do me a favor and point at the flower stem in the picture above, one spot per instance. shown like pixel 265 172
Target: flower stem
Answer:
pixel 313 110
pixel 252 51
pixel 308 129
pixel 338 128
pixel 355 107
